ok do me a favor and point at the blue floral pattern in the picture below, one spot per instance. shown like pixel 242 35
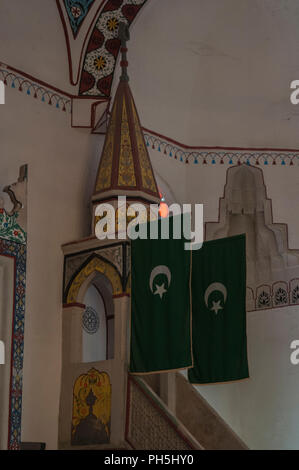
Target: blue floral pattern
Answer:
pixel 77 11
pixel 17 250
pixel 10 229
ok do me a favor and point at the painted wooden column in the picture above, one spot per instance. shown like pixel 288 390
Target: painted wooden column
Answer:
pixel 121 315
pixel 120 362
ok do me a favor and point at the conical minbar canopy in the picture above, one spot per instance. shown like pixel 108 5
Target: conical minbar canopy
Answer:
pixel 125 167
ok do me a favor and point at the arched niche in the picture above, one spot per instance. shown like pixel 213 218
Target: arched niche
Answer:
pixel 94 286
pixel 98 320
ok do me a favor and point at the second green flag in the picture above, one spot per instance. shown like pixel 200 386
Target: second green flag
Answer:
pixel 219 311
pixel 160 317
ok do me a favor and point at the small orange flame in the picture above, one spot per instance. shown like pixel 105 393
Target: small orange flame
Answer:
pixel 163 210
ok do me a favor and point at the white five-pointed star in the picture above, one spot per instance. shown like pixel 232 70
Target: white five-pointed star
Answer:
pixel 216 306
pixel 160 290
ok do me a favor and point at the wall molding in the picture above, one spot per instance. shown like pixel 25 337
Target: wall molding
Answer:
pixel 278 294
pixel 90 109
pixel 219 155
pixel 35 88
pixel 206 155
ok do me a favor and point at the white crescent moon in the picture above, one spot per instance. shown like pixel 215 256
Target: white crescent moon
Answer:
pixel 215 286
pixel 162 269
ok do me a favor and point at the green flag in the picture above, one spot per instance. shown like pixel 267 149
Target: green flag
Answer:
pixel 219 311
pixel 160 306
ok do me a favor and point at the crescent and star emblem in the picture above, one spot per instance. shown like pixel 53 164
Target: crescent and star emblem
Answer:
pixel 160 289
pixel 215 286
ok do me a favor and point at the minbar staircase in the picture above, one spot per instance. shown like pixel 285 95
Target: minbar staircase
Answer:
pixel 188 423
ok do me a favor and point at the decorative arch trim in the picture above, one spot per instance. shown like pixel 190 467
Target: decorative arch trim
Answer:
pixel 128 285
pixel 216 155
pixel 103 47
pixel 93 264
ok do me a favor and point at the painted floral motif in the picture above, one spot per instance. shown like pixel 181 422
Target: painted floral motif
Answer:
pixel 77 11
pixel 295 295
pixel 10 229
pixel 18 252
pixel 112 24
pixel 104 42
pixel 281 297
pixel 107 21
pixel 264 300
pixel 100 63
pixel 90 321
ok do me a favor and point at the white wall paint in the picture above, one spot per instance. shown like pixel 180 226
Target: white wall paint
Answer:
pixel 264 409
pixel 202 72
pixel 217 72
pixel 32 40
pixel 60 160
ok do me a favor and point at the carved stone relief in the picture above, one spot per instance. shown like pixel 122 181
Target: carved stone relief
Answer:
pixel 272 268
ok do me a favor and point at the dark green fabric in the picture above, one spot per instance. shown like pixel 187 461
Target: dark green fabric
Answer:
pixel 219 339
pixel 160 327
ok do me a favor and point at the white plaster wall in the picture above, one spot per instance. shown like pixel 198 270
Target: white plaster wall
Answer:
pixel 32 40
pixel 204 73
pixel 217 72
pixel 60 164
pixel 264 409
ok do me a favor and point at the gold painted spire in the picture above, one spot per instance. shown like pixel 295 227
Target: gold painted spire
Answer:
pixel 125 167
